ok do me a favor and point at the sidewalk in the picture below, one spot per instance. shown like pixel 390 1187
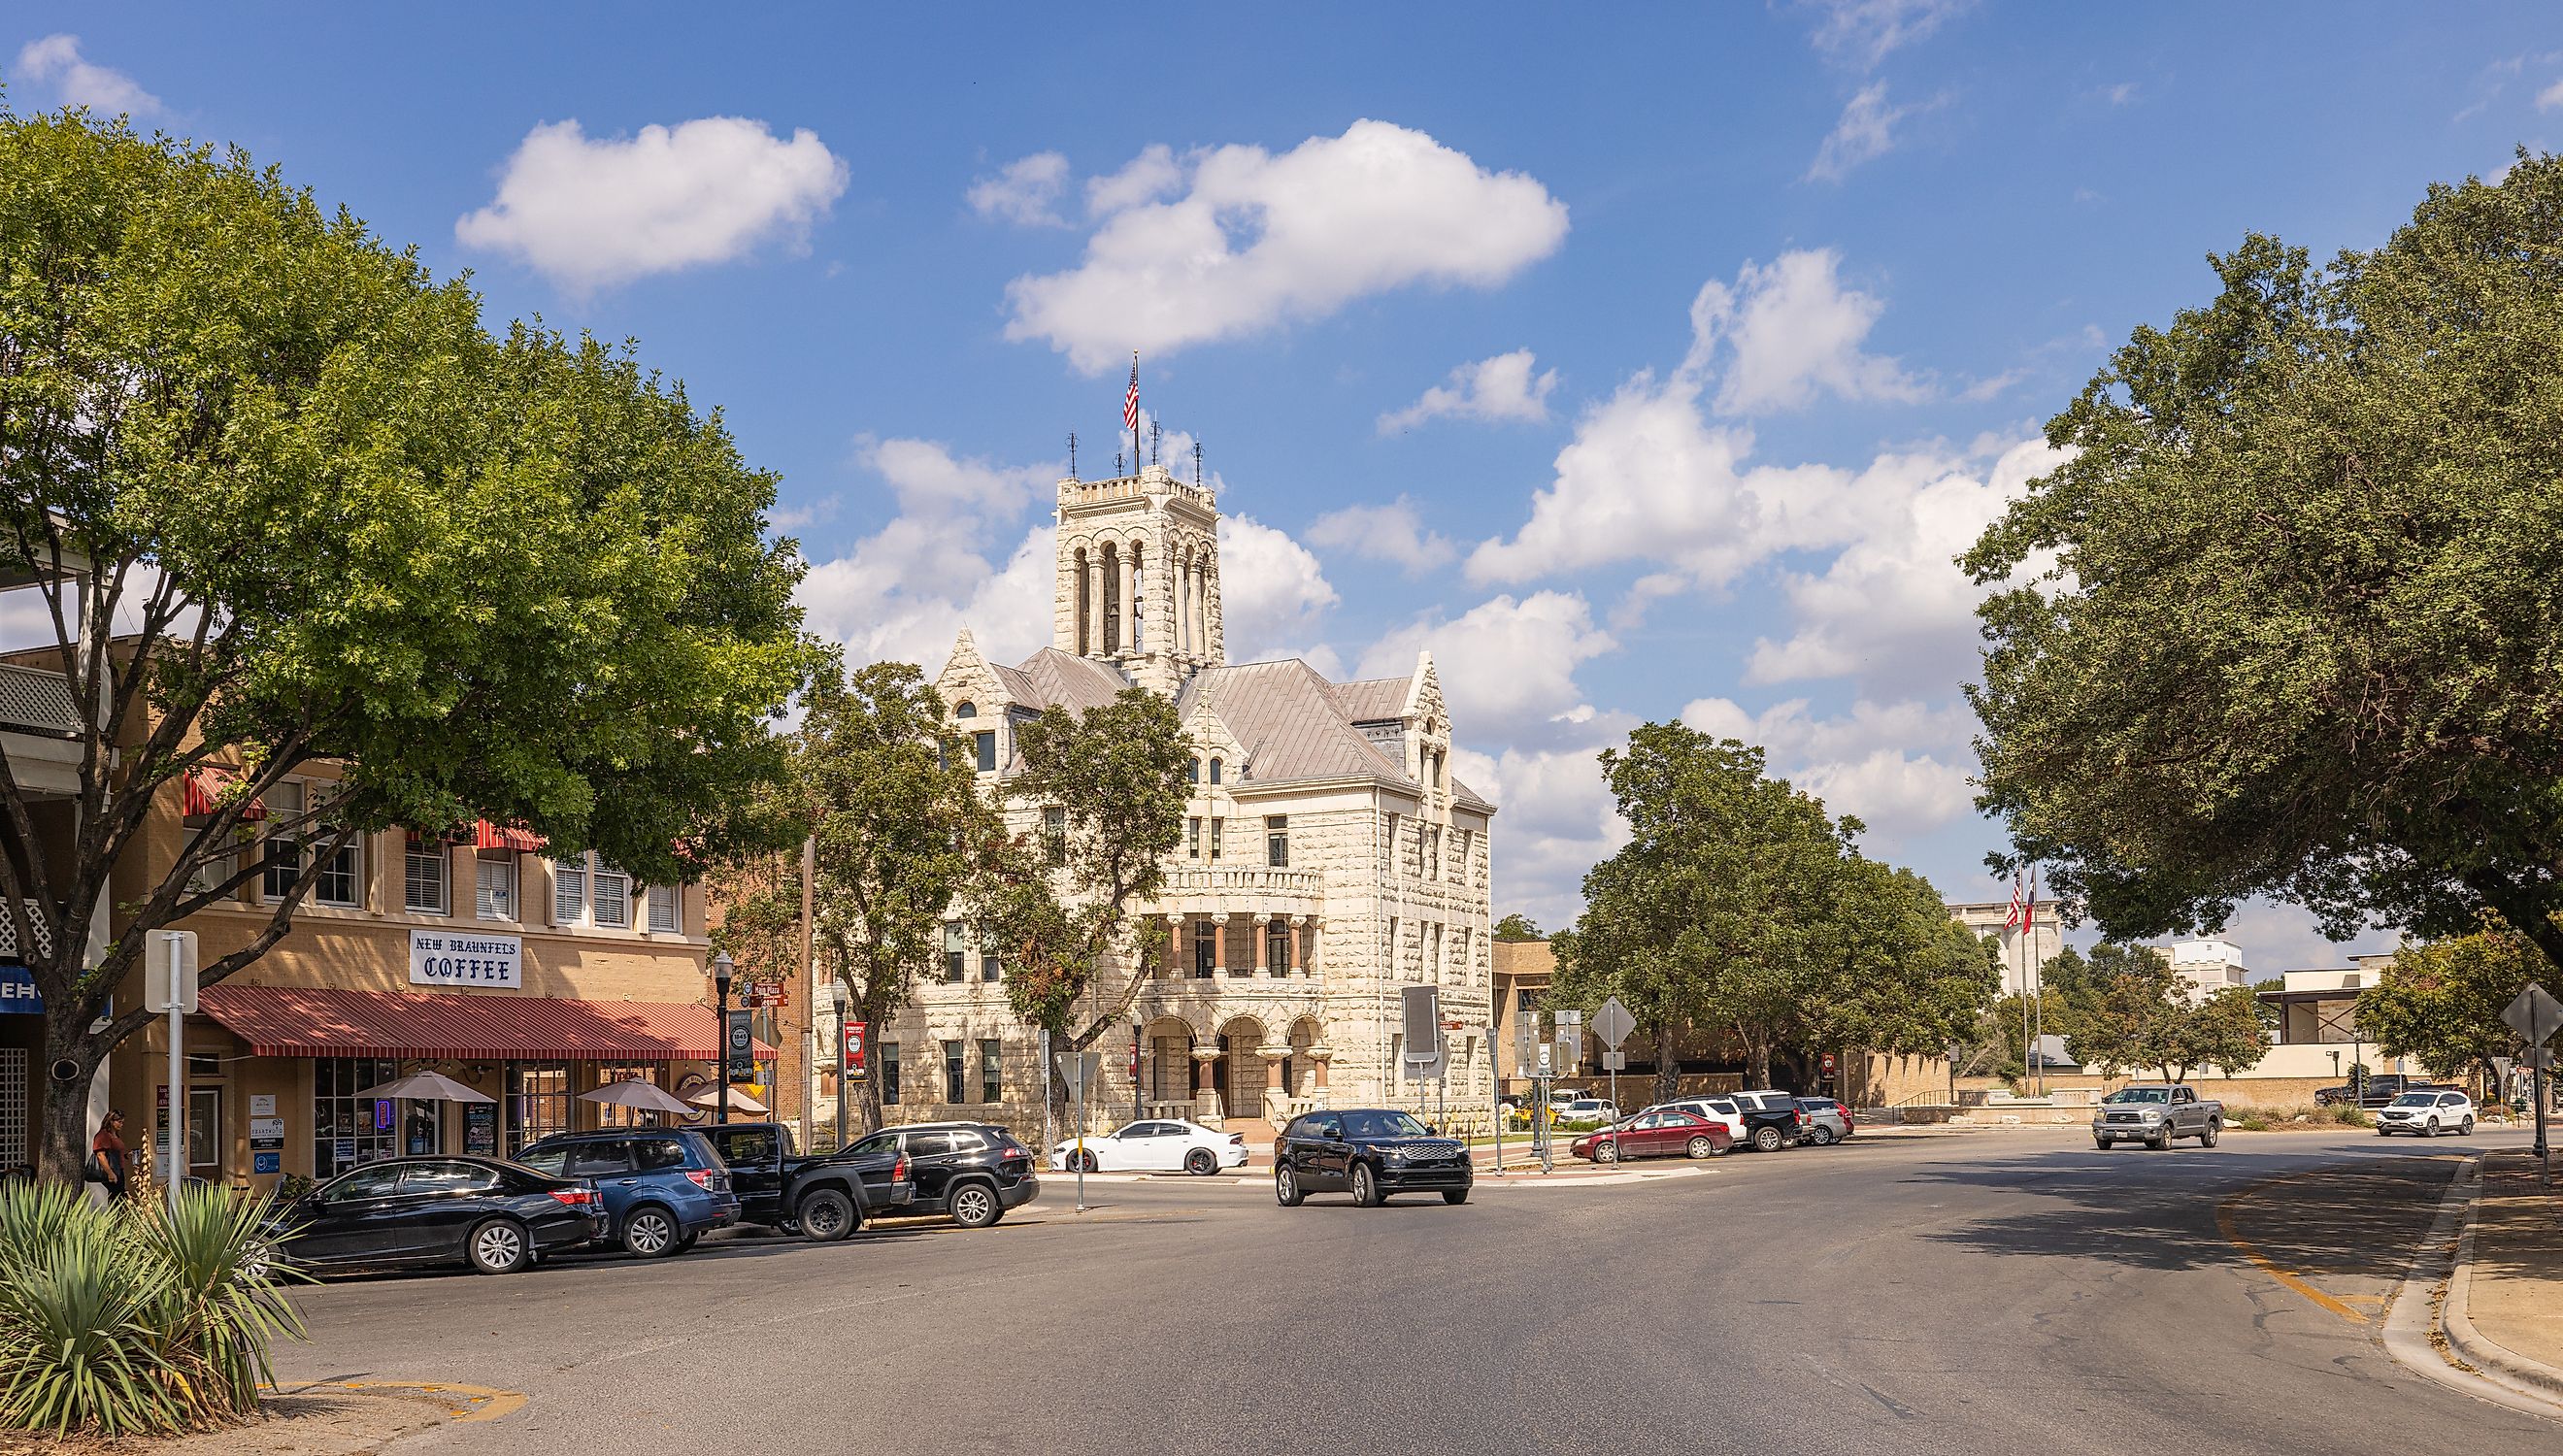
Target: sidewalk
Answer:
pixel 2504 1309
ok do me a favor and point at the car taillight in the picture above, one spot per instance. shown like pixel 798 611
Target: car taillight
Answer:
pixel 703 1178
pixel 898 1170
pixel 1237 1137
pixel 574 1197
pixel 1802 1117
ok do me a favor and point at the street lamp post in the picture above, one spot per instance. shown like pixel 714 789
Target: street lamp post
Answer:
pixel 845 1089
pixel 722 967
pixel 1135 1112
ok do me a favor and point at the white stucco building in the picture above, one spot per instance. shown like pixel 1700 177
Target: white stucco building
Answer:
pixel 1329 855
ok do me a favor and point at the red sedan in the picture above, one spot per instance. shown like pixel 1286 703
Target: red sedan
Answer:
pixel 1655 1134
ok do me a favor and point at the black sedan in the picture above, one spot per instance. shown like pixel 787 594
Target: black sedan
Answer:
pixel 496 1216
pixel 1370 1153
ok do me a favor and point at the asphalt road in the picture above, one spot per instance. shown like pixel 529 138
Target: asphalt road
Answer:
pixel 2012 1292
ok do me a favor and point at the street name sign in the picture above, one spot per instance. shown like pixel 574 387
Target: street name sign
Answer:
pixel 1614 1061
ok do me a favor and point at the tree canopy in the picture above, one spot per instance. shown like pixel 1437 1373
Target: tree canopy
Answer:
pixel 2288 618
pixel 2124 1009
pixel 1109 784
pixel 884 792
pixel 2441 1003
pixel 1518 928
pixel 1742 908
pixel 279 500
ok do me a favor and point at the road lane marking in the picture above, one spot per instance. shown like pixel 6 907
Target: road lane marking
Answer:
pixel 2251 1251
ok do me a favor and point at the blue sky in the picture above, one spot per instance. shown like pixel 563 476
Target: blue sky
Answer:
pixel 1638 361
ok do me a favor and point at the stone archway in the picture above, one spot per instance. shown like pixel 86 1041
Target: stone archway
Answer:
pixel 1301 1074
pixel 1241 1074
pixel 1168 1060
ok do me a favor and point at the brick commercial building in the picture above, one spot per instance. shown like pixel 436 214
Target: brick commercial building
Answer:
pixel 1329 855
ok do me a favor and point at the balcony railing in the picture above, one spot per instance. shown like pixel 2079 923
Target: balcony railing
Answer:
pixel 1244 879
pixel 36 701
pixel 42 933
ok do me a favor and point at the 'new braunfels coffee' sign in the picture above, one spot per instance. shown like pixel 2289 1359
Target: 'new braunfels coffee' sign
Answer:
pixel 465 958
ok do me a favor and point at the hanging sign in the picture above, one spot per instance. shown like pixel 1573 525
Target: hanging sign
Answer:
pixel 465 958
pixel 18 992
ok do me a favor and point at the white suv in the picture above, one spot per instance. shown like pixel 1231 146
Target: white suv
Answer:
pixel 1716 1109
pixel 2427 1114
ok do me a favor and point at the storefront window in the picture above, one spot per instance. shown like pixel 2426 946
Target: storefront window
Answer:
pixel 608 1114
pixel 423 1129
pixel 347 1128
pixel 539 1102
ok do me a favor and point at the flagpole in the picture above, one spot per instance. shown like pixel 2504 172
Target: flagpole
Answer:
pixel 1135 412
pixel 2037 974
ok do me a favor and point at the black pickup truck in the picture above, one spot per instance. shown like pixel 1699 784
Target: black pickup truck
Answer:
pixel 823 1196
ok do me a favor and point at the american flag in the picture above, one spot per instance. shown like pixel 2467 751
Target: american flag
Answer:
pixel 2013 921
pixel 1130 401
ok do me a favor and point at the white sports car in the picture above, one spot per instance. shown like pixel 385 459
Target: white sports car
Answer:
pixel 1152 1145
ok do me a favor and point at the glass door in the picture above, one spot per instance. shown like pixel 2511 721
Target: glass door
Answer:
pixel 205 1133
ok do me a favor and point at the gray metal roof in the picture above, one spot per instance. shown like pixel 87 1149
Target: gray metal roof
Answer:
pixel 1375 700
pixel 1056 680
pixel 1290 721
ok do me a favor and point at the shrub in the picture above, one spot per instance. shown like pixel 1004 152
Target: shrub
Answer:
pixel 134 1318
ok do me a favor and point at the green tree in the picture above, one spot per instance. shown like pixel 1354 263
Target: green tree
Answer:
pixel 1740 907
pixel 2441 1003
pixel 884 792
pixel 1518 928
pixel 1110 784
pixel 2286 619
pixel 282 502
pixel 2122 1008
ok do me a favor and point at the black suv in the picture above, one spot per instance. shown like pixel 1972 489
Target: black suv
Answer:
pixel 1772 1119
pixel 2382 1089
pixel 1370 1153
pixel 974 1171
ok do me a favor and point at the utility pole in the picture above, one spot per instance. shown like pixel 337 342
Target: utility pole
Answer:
pixel 810 1002
pixel 177 944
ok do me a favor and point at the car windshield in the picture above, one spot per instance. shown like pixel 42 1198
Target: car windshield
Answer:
pixel 2140 1094
pixel 1383 1125
pixel 2417 1099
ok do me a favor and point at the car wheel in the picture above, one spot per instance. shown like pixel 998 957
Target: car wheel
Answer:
pixel 827 1216
pixel 2466 1129
pixel 1285 1189
pixel 2384 1132
pixel 1767 1140
pixel 2208 1138
pixel 975 1206
pixel 1821 1136
pixel 1454 1196
pixel 650 1234
pixel 499 1246
pixel 1701 1147
pixel 2101 1143
pixel 1201 1163
pixel 2161 1142
pixel 1366 1194
pixel 2432 1129
pixel 1084 1162
pixel 1606 1152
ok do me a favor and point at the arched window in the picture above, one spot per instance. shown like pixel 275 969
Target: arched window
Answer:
pixel 966 710
pixel 1214 771
pixel 1196 771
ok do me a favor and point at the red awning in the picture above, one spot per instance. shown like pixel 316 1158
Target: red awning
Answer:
pixel 206 783
pixel 487 835
pixel 279 1021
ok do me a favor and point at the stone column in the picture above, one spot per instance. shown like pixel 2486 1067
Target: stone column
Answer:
pixel 1203 1056
pixel 1275 1080
pixel 1261 921
pixel 1130 612
pixel 1219 943
pixel 1322 1055
pixel 1307 962
pixel 1178 954
pixel 1095 600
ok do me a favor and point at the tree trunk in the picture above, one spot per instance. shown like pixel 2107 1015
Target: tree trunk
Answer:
pixel 1668 1070
pixel 868 1102
pixel 64 1136
pixel 1760 1053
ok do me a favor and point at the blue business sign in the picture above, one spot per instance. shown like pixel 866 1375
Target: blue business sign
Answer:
pixel 18 991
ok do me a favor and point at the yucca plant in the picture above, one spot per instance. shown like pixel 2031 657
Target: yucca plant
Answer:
pixel 221 1304
pixel 135 1319
pixel 78 1351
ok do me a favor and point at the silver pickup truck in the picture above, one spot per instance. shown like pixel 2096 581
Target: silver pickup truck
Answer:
pixel 2155 1113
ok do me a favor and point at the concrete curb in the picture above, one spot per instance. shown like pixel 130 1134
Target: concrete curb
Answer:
pixel 2477 1350
pixel 2422 1320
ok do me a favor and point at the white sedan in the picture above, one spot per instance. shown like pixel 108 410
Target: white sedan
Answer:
pixel 1153 1145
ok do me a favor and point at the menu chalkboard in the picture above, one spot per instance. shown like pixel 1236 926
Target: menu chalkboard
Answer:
pixel 481 1129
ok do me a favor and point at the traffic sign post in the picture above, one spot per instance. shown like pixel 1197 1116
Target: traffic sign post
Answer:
pixel 1613 1023
pixel 1079 1069
pixel 169 974
pixel 2537 1015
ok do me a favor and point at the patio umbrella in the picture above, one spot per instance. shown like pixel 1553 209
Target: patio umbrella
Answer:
pixel 738 1101
pixel 425 1087
pixel 643 1096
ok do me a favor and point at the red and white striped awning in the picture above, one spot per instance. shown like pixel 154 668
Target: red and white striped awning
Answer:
pixel 279 1021
pixel 207 783
pixel 487 835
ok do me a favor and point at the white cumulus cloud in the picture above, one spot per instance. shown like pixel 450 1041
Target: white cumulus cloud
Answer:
pixel 1024 192
pixel 56 61
pixel 2551 98
pixel 590 214
pixel 1394 533
pixel 1501 388
pixel 1272 591
pixel 1234 239
pixel 1901 767
pixel 1508 666
pixel 1865 132
pixel 1789 330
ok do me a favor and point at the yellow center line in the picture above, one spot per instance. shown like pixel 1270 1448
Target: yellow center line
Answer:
pixel 2251 1251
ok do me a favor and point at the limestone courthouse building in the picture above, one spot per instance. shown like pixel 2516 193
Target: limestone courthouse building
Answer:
pixel 1330 857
